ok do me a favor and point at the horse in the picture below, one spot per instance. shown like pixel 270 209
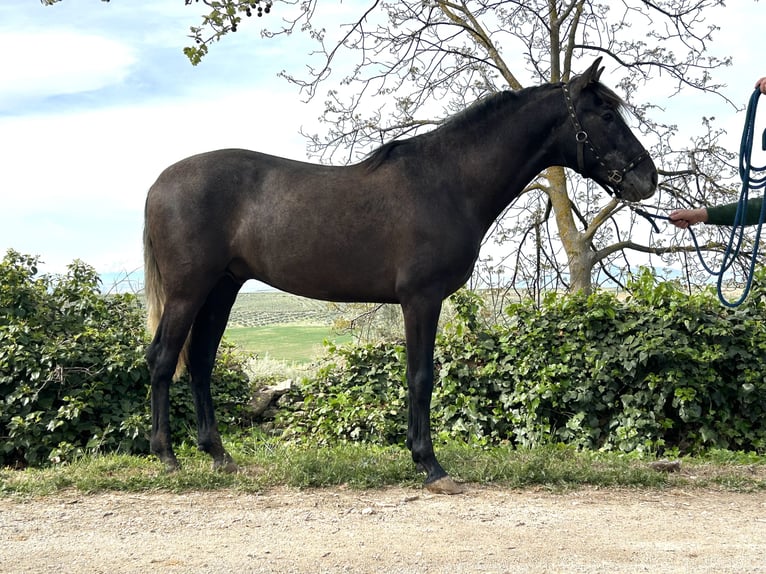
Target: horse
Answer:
pixel 403 226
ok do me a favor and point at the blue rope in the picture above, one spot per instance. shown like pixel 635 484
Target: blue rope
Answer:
pixel 738 226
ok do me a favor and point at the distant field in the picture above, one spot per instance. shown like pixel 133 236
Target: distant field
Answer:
pixel 294 343
pixel 270 308
pixel 282 326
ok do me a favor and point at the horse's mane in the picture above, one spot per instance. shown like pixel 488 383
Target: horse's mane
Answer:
pixel 478 112
pixel 376 157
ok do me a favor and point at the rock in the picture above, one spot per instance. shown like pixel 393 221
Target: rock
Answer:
pixel 263 403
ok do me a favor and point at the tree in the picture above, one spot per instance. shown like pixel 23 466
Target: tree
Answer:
pixel 454 52
pixel 224 17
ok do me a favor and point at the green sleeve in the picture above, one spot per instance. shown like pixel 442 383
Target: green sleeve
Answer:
pixel 724 214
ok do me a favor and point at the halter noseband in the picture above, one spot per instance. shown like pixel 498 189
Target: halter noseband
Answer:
pixel 614 176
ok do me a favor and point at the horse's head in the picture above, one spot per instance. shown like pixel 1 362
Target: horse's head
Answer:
pixel 603 145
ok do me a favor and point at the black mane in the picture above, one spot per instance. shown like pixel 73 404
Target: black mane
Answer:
pixel 477 112
pixel 482 110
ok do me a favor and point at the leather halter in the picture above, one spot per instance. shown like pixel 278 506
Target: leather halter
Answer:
pixel 614 176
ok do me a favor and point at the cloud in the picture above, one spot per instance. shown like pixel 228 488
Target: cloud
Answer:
pixel 59 63
pixel 74 184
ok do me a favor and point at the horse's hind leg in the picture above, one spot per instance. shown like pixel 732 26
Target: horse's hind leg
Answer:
pixel 162 357
pixel 206 335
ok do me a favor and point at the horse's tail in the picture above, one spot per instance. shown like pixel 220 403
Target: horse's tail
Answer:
pixel 155 298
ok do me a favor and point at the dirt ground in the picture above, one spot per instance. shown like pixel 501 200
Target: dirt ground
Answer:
pixel 393 530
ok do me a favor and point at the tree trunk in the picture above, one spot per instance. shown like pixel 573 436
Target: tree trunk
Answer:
pixel 580 257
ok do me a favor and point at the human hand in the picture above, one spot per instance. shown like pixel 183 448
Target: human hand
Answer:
pixel 761 85
pixel 683 218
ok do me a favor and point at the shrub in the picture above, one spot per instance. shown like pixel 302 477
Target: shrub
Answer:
pixel 73 378
pixel 358 395
pixel 71 371
pixel 659 370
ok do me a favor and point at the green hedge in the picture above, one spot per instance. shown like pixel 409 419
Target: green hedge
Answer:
pixel 73 378
pixel 659 370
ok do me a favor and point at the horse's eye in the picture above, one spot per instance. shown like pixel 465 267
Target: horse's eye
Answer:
pixel 608 116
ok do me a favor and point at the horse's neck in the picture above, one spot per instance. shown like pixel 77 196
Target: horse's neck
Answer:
pixel 510 149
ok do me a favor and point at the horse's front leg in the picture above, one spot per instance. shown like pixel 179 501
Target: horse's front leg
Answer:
pixel 420 319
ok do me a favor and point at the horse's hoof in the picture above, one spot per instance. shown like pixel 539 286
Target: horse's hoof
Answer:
pixel 228 466
pixel 171 465
pixel 444 485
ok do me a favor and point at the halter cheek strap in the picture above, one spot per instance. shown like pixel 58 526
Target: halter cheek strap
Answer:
pixel 614 176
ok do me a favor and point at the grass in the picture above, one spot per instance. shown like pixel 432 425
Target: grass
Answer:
pixel 293 343
pixel 266 463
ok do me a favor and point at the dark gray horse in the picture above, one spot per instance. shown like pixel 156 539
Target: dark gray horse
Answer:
pixel 404 226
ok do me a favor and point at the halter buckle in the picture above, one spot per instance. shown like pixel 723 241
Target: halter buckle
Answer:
pixel 615 177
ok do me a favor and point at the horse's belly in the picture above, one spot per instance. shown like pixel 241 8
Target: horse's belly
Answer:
pixel 343 259
pixel 328 274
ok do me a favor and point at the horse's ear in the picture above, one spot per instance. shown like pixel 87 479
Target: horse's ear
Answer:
pixel 594 72
pixel 591 76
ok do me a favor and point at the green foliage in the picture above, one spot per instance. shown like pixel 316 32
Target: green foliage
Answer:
pixel 661 370
pixel 73 378
pixel 72 375
pixel 225 16
pixel 360 396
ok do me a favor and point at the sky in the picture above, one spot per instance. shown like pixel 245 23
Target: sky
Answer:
pixel 97 99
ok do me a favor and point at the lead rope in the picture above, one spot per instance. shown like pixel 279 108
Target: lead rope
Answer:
pixel 738 226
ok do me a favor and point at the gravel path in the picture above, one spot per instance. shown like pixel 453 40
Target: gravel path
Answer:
pixel 390 530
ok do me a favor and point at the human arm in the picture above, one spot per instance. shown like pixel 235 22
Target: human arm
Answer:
pixel 717 215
